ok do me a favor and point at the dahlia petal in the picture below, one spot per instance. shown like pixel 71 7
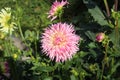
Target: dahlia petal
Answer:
pixel 54 17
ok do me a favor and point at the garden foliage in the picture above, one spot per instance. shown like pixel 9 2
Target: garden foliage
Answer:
pixel 59 40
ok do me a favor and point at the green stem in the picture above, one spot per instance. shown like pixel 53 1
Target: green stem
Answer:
pixel 105 60
pixel 23 39
pixel 116 34
pixel 37 32
pixel 19 15
pixel 18 21
pixel 21 33
pixel 35 49
pixel 116 5
pixel 107 7
pixel 60 18
pixel 103 66
pixel 6 49
pixel 106 50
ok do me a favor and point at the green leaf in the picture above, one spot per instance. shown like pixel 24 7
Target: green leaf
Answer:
pixel 74 71
pixel 83 54
pixel 48 78
pixel 45 68
pixel 115 38
pixel 72 77
pixel 114 68
pixel 95 11
pixel 93 53
pixel 92 45
pixel 119 22
pixel 90 35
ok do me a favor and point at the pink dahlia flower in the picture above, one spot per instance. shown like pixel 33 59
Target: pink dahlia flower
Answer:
pixel 60 42
pixel 56 9
pixel 6 69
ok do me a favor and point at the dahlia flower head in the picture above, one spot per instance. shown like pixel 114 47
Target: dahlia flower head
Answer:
pixel 56 9
pixel 6 69
pixel 6 24
pixel 60 42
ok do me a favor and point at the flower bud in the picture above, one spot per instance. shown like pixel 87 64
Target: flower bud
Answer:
pixel 100 37
pixel 15 56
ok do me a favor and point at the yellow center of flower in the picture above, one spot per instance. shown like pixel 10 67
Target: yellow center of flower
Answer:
pixel 6 20
pixel 15 56
pixel 1 35
pixel 59 39
pixel 58 11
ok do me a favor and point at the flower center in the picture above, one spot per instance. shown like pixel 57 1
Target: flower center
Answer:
pixel 6 21
pixel 59 39
pixel 59 11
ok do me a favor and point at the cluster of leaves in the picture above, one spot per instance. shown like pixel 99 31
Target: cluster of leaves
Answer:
pixel 94 61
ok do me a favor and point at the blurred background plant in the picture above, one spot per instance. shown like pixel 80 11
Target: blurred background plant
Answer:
pixel 96 21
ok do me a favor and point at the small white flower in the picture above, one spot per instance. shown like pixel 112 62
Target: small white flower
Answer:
pixel 6 24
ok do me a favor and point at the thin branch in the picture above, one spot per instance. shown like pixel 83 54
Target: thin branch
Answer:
pixel 116 5
pixel 107 7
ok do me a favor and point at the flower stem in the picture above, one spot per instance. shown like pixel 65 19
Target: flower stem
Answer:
pixel 21 33
pixel 107 7
pixel 116 5
pixel 105 60
pixel 116 34
pixel 6 49
pixel 60 18
pixel 35 48
pixel 18 14
pixel 103 66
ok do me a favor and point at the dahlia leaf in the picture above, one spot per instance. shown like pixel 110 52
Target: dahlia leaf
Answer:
pixel 90 35
pixel 95 12
pixel 72 77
